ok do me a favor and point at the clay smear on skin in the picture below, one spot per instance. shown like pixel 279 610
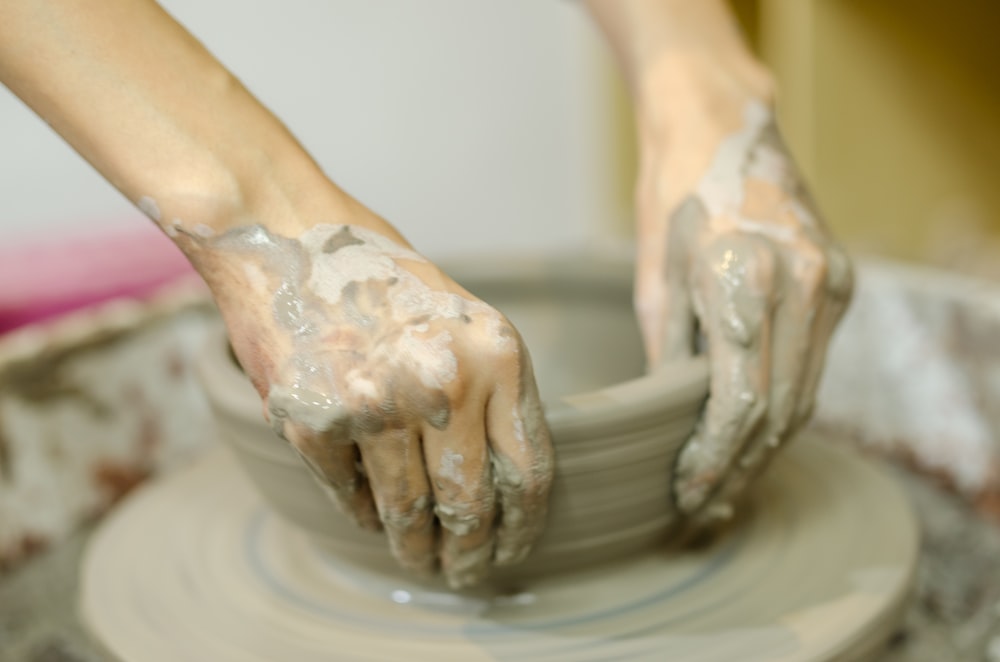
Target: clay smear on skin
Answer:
pixel 320 274
pixel 347 279
pixel 751 157
pixel 451 467
pixel 751 184
pixel 148 206
pixel 341 297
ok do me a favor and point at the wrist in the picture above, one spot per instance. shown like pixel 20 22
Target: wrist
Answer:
pixel 196 220
pixel 286 201
pixel 687 107
pixel 689 88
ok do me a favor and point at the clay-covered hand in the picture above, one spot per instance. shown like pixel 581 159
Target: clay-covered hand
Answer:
pixel 734 260
pixel 409 399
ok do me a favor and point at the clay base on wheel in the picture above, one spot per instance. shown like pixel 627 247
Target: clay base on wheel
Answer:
pixel 195 568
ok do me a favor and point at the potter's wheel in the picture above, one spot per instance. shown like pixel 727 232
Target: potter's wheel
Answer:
pixel 194 568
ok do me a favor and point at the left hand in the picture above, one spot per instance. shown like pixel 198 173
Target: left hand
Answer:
pixel 732 252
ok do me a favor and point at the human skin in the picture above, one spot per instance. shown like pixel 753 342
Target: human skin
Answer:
pixel 731 250
pixel 413 403
pixel 410 400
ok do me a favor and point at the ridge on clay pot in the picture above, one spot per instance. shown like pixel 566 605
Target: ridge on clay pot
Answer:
pixel 616 430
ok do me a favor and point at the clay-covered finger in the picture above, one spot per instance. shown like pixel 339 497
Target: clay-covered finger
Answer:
pixel 733 293
pixel 465 502
pixel 804 322
pixel 798 339
pixel 793 348
pixel 335 466
pixel 523 460
pixel 839 285
pixel 393 461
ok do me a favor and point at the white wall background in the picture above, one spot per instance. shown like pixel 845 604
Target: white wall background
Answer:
pixel 473 125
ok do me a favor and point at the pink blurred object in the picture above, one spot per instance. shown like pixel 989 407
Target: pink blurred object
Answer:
pixel 44 278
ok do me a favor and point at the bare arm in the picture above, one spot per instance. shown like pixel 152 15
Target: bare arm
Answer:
pixel 730 246
pixel 690 73
pixel 157 115
pixel 411 401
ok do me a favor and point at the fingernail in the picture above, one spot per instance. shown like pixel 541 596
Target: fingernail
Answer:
pixel 712 515
pixel 690 497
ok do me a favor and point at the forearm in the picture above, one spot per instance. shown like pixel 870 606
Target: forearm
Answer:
pixel 158 116
pixel 672 47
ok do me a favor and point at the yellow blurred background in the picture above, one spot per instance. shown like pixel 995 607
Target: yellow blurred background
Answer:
pixel 893 111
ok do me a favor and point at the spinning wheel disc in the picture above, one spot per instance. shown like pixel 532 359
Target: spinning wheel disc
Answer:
pixel 194 567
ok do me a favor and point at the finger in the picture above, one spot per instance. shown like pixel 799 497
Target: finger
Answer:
pixel 393 460
pixel 665 306
pixel 666 319
pixel 799 338
pixel 839 288
pixel 523 459
pixel 679 326
pixel 336 468
pixel 324 443
pixel 818 290
pixel 733 289
pixel 792 348
pixel 458 464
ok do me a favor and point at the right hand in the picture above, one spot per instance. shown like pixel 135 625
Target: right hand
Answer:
pixel 734 253
pixel 407 397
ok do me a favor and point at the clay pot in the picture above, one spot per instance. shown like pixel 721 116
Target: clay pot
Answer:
pixel 616 431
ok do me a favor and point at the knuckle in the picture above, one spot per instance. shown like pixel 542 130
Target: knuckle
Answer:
pixel 407 515
pixel 464 517
pixel 303 413
pixel 501 343
pixel 494 348
pixel 742 262
pixel 364 418
pixel 530 484
pixel 840 273
pixel 364 386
